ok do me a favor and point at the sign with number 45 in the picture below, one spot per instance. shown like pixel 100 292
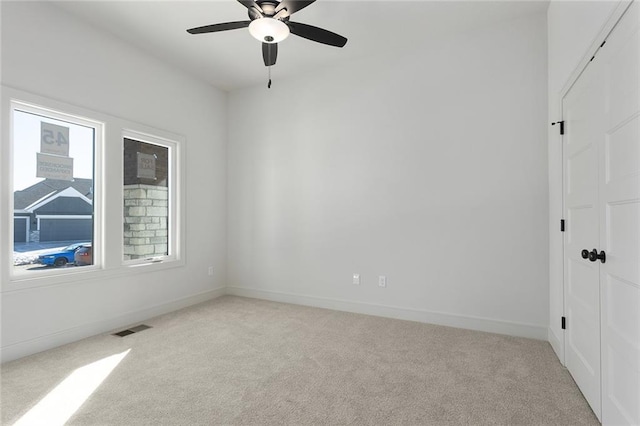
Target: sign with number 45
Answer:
pixel 54 139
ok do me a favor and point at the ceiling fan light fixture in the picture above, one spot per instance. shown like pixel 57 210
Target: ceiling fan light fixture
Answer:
pixel 268 30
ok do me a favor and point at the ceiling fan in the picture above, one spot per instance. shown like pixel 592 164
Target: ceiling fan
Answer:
pixel 269 23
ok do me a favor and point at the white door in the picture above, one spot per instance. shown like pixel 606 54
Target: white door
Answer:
pixel 583 109
pixel 602 208
pixel 619 189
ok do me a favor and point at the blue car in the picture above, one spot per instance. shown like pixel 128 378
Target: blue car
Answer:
pixel 60 258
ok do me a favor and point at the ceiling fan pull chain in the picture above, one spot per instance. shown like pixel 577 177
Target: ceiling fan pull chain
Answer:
pixel 269 84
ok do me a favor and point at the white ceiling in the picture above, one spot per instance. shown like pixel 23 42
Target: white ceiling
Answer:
pixel 233 59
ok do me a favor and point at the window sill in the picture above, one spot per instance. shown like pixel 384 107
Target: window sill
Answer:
pixel 53 278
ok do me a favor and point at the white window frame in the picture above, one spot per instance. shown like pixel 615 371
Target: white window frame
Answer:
pixel 175 200
pixel 108 194
pixel 72 115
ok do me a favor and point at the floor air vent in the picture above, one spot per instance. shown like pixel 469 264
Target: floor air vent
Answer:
pixel 131 330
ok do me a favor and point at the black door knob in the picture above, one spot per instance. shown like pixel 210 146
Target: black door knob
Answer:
pixel 585 254
pixel 594 255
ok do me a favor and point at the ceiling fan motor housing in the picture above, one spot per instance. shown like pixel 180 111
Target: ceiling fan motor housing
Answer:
pixel 267 7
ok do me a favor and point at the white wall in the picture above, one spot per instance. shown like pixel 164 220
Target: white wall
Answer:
pixel 52 54
pixel 575 30
pixel 428 167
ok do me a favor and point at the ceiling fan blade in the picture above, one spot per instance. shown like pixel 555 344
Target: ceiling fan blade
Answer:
pixel 251 4
pixel 293 6
pixel 219 27
pixel 316 34
pixel 269 53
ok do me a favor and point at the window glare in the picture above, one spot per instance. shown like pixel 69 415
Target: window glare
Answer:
pixel 53 190
pixel 27 141
pixel 146 218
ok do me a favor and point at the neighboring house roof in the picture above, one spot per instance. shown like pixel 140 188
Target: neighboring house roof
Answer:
pixel 49 188
pixel 49 205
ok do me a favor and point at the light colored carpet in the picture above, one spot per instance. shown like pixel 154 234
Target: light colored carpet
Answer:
pixel 251 362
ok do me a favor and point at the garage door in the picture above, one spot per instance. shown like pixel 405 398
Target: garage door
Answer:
pixel 19 230
pixel 66 229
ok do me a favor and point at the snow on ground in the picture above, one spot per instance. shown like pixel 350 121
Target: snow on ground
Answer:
pixel 29 257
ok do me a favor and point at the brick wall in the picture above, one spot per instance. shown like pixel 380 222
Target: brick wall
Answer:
pixel 146 215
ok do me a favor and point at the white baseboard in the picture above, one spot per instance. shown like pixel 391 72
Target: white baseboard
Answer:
pixel 556 344
pixel 439 318
pixel 39 344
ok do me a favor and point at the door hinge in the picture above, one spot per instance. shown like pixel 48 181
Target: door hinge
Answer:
pixel 561 123
pixel 561 225
pixel 564 323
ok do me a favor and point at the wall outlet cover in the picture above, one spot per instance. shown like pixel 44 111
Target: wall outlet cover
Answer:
pixel 382 281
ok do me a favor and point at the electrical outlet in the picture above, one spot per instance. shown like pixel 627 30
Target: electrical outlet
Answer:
pixel 382 281
pixel 356 279
pixel 210 270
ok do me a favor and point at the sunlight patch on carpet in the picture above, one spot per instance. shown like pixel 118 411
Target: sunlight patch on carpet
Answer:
pixel 66 398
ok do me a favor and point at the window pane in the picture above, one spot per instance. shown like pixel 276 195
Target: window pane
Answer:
pixel 146 200
pixel 53 187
